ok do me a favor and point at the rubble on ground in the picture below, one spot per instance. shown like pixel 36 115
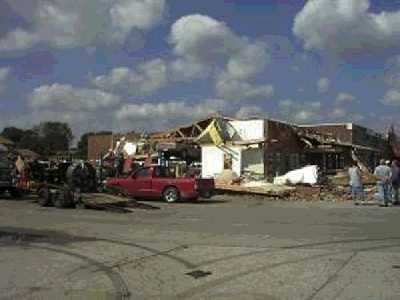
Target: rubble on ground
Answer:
pixel 257 188
pixel 113 203
pixel 303 184
pixel 227 177
pixel 305 175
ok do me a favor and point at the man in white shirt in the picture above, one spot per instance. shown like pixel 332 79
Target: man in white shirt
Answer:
pixel 383 174
pixel 355 182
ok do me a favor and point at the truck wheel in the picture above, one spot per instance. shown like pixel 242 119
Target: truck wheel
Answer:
pixel 206 194
pixel 15 193
pixel 170 194
pixel 61 201
pixel 80 205
pixel 44 197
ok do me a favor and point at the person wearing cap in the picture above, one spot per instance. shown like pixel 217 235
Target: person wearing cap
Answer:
pixel 383 174
pixel 356 185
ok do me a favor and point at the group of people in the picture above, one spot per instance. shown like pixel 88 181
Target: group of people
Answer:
pixel 387 175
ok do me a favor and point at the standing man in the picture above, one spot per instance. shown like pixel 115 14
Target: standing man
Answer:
pixel 355 182
pixel 395 181
pixel 383 174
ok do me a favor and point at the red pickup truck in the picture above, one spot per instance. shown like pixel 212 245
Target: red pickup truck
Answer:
pixel 155 183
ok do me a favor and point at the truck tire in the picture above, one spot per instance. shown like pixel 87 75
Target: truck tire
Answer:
pixel 44 197
pixel 171 194
pixel 15 193
pixel 80 205
pixel 206 194
pixel 61 200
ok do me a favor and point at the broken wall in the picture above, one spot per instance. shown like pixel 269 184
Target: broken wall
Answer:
pixel 369 138
pixel 283 149
pixel 248 130
pixel 99 144
pixel 253 160
pixel 352 134
pixel 213 160
pixel 342 132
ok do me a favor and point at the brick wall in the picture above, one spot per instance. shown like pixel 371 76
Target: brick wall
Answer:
pixel 283 149
pixel 339 131
pixel 98 144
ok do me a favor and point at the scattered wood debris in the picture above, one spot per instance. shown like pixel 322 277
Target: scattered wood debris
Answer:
pixel 113 203
pixel 267 189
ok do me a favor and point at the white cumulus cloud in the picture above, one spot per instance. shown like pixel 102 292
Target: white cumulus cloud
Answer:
pixel 4 75
pixel 146 78
pixel 166 114
pixel 346 27
pixel 392 72
pixel 392 97
pixel 82 108
pixel 228 88
pixel 344 97
pixel 323 85
pixel 187 69
pixel 338 113
pixel 66 97
pixel 202 38
pixel 205 46
pixel 300 112
pixel 67 24
pixel 392 80
pixel 248 62
pixel 250 111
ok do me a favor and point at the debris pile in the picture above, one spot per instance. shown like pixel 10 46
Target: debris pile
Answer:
pixel 113 203
pixel 306 175
pixel 305 184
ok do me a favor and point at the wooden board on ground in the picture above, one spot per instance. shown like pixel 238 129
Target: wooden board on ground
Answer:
pixel 268 190
pixel 103 198
pixel 115 203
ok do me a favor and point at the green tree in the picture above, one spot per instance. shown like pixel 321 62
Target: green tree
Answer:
pixel 83 144
pixel 55 136
pixel 32 141
pixel 14 134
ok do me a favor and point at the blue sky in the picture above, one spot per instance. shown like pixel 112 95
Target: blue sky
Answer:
pixel 150 64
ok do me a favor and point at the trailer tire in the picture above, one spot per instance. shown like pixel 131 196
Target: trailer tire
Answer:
pixel 171 194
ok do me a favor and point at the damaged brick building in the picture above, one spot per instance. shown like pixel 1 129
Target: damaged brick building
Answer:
pixel 334 146
pixel 265 147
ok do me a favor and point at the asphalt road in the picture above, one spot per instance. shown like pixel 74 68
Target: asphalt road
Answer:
pixel 231 248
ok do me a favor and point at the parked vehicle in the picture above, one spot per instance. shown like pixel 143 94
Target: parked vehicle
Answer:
pixel 71 182
pixel 8 177
pixel 155 182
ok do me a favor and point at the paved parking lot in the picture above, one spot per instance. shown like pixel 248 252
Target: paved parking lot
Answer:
pixel 229 248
